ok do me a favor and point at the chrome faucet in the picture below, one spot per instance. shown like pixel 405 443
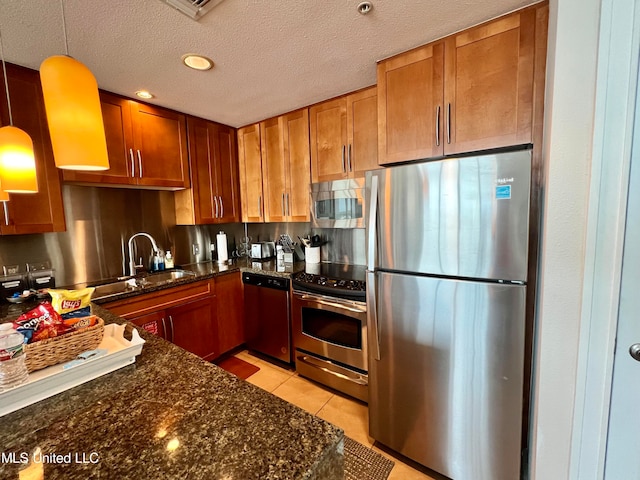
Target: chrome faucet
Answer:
pixel 132 262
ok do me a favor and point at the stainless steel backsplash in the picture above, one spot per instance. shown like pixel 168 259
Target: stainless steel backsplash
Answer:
pixel 101 220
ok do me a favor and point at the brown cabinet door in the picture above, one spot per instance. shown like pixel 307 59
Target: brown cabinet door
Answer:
pixel 362 132
pixel 34 212
pixel 230 308
pixel 116 114
pixel 155 323
pixel 489 84
pixel 160 139
pixel 328 125
pixel 295 129
pixel 226 172
pixel 192 326
pixel 410 110
pixel 274 183
pixel 197 206
pixel 250 164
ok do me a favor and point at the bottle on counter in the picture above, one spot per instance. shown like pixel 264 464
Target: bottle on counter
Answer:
pixel 168 260
pixel 13 370
pixel 157 261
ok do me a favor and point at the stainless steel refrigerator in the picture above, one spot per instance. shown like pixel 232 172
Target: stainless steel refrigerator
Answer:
pixel 446 287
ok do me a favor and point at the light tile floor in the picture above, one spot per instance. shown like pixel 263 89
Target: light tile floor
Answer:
pixel 350 415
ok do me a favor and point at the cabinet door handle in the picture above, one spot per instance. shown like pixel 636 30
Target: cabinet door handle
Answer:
pixel 164 328
pixel 344 167
pixel 288 206
pixel 283 214
pixel 133 165
pixel 221 208
pixel 171 323
pixel 349 158
pixel 260 205
pixel 448 121
pixel 215 199
pixel 139 163
pixel 6 213
pixel 438 126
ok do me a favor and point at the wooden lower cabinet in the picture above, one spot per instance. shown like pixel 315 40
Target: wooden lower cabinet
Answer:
pixel 230 311
pixel 205 318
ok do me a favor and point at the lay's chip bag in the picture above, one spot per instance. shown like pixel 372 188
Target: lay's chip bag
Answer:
pixel 72 303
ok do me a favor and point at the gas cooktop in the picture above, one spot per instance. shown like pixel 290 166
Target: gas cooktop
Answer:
pixel 334 279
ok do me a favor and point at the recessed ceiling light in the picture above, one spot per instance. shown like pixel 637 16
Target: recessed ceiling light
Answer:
pixel 197 62
pixel 144 94
pixel 365 7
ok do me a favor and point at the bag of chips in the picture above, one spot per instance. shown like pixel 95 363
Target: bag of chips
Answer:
pixel 72 303
pixel 40 323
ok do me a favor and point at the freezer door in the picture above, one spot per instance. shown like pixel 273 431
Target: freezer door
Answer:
pixel 448 388
pixel 465 217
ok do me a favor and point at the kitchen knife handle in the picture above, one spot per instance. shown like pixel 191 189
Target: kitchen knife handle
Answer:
pixel 133 165
pixel 349 158
pixel 221 208
pixel 372 316
pixel 448 123
pixel 438 126
pixel 139 163
pixel 344 167
pixel 215 199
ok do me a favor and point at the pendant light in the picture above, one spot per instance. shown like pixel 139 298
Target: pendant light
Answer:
pixel 17 162
pixel 72 103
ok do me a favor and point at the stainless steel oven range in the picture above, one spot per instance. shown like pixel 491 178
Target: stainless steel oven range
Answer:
pixel 329 327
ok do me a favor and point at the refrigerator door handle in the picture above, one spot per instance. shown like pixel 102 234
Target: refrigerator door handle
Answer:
pixel 372 315
pixel 372 224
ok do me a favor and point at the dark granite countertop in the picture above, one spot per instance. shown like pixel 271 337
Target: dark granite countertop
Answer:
pixel 171 415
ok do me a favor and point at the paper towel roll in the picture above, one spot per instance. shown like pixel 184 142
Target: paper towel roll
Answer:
pixel 221 240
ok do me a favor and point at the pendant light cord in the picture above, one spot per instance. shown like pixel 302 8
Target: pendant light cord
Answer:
pixel 64 29
pixel 6 80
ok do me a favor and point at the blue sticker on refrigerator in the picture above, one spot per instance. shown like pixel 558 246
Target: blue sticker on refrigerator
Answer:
pixel 503 192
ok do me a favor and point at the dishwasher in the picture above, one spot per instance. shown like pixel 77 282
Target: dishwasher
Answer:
pixel 267 315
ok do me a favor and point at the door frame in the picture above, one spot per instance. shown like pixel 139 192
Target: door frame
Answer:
pixel 617 81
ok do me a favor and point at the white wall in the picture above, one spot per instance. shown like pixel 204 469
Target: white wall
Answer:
pixel 569 116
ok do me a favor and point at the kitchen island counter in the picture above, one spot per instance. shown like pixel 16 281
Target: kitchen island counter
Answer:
pixel 170 415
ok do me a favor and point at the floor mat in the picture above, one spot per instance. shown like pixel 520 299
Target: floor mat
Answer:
pixel 238 367
pixel 362 463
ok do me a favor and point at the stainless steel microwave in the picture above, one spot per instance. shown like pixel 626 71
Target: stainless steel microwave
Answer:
pixel 338 204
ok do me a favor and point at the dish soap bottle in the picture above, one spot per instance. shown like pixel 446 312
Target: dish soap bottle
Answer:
pixel 168 260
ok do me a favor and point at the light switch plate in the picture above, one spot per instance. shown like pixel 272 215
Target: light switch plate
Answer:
pixel 196 249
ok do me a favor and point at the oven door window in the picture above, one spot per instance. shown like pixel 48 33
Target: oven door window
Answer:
pixel 332 327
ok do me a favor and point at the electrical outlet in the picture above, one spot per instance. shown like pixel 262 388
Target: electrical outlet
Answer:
pixel 196 249
pixel 212 247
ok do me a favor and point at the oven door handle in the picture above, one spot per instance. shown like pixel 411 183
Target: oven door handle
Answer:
pixel 332 304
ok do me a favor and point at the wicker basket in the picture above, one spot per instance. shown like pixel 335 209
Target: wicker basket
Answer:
pixel 52 351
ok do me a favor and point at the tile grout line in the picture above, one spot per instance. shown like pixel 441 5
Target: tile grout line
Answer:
pixel 323 405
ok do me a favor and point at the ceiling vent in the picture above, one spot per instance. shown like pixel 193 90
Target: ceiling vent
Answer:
pixel 195 9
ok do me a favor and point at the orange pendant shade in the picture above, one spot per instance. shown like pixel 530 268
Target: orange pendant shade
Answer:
pixel 17 163
pixel 74 116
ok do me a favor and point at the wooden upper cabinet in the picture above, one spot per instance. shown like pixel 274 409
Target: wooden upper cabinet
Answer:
pixel 214 193
pixel 147 146
pixel 362 131
pixel 31 212
pixel 250 165
pixel 410 103
pixel 286 168
pixel 160 139
pixel 295 131
pixel 471 91
pixel 274 182
pixel 344 136
pixel 328 126
pixel 116 115
pixel 489 84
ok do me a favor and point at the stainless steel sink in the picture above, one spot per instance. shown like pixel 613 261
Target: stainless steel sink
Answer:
pixel 140 283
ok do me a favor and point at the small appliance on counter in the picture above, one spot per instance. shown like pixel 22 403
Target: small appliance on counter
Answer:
pixel 12 282
pixel 40 275
pixel 263 250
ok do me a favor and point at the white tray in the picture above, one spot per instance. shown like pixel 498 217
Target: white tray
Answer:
pixel 53 380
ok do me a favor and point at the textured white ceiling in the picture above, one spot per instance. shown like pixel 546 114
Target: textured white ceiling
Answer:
pixel 271 56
